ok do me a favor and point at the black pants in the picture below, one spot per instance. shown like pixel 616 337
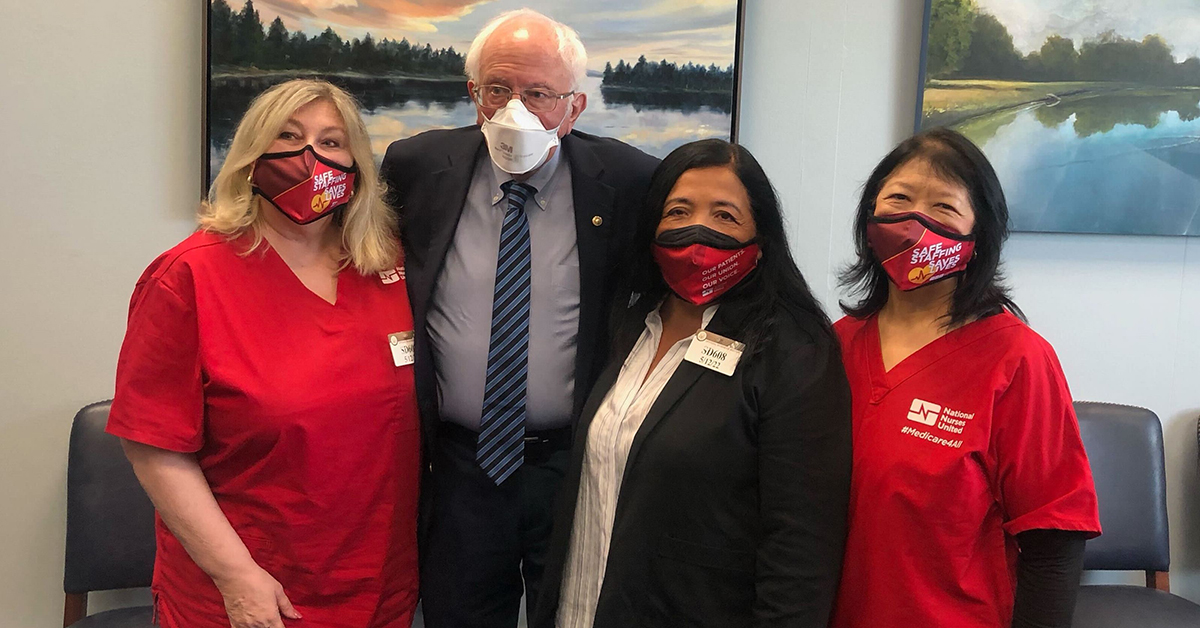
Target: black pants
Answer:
pixel 486 544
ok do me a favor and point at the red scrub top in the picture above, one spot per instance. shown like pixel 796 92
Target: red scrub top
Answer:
pixel 305 428
pixel 963 445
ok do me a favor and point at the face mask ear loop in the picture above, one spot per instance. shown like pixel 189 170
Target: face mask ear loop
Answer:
pixel 567 115
pixel 489 118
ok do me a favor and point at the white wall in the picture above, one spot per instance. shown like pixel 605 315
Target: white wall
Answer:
pixel 830 87
pixel 100 121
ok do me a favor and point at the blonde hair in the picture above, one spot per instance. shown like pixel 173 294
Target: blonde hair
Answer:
pixel 368 227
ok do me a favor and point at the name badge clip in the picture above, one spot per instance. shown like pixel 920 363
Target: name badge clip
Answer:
pixel 403 351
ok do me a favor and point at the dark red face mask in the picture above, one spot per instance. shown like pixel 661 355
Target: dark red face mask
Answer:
pixel 916 250
pixel 700 264
pixel 303 185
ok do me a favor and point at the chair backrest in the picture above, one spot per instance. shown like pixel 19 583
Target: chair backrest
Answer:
pixel 110 521
pixel 1125 447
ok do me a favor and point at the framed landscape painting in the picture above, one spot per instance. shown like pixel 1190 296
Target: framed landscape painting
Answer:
pixel 1088 109
pixel 660 74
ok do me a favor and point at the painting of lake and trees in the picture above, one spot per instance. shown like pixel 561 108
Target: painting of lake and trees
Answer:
pixel 1088 109
pixel 660 73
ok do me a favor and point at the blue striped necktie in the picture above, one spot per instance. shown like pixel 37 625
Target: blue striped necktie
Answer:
pixel 501 447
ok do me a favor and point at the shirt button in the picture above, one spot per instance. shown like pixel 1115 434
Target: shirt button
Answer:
pixel 597 221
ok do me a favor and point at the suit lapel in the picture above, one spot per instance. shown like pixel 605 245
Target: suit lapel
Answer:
pixel 684 378
pixel 593 200
pixel 681 381
pixel 593 205
pixel 629 332
pixel 448 196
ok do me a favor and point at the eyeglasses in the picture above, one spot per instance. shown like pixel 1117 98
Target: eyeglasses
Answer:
pixel 536 99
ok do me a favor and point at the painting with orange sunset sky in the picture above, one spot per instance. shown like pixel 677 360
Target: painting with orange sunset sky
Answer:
pixel 660 72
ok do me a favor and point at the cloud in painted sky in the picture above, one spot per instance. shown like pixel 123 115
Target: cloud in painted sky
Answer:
pixel 679 30
pixel 652 136
pixel 1031 21
pixel 416 16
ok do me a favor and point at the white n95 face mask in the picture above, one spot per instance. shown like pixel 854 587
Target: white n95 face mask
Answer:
pixel 516 139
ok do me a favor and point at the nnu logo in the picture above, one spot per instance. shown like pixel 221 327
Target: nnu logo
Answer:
pixel 392 276
pixel 924 412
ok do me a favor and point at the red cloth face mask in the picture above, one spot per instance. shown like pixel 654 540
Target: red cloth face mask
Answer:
pixel 916 250
pixel 303 185
pixel 700 264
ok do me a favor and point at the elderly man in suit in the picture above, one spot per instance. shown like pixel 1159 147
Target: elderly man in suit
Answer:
pixel 514 232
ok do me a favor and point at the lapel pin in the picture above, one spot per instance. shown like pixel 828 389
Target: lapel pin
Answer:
pixel 597 221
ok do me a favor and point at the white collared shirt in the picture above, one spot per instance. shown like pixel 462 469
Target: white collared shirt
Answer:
pixel 609 439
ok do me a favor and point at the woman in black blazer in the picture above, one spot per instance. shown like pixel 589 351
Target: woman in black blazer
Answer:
pixel 711 470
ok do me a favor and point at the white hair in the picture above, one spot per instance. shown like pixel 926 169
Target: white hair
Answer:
pixel 570 48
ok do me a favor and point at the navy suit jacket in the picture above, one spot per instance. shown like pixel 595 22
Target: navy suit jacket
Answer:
pixel 428 176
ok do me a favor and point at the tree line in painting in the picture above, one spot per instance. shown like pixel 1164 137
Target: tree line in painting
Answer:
pixel 664 75
pixel 239 39
pixel 965 42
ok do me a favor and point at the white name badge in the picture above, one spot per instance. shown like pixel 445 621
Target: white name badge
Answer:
pixel 403 352
pixel 714 352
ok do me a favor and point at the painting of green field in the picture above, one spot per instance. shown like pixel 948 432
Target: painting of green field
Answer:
pixel 1088 109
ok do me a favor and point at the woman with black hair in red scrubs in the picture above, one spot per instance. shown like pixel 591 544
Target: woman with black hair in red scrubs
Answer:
pixel 971 495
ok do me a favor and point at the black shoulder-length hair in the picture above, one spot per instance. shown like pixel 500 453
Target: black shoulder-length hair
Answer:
pixel 981 291
pixel 775 288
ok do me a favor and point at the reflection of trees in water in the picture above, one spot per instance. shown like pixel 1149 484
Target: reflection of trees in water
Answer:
pixel 229 97
pixel 1093 114
pixel 1102 114
pixel 686 102
pixel 981 129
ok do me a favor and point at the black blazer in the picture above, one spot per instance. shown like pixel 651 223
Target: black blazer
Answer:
pixel 732 510
pixel 428 176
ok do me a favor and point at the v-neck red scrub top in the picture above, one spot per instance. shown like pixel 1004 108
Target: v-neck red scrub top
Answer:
pixel 302 423
pixel 963 445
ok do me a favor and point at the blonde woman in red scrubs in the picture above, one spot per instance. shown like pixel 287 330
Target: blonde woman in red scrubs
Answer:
pixel 971 495
pixel 265 388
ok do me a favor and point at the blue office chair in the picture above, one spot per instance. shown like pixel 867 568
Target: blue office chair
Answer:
pixel 110 525
pixel 1125 447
